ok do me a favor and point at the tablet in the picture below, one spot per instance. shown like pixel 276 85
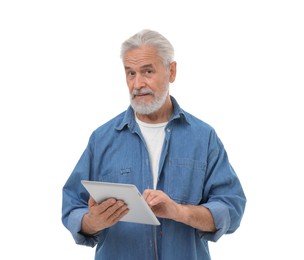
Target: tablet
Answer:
pixel 139 211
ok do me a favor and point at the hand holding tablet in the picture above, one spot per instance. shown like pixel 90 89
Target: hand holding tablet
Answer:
pixel 139 211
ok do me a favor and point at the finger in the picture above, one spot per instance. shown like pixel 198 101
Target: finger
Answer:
pixel 119 213
pixel 153 200
pixel 116 207
pixel 157 197
pixel 91 202
pixel 147 193
pixel 105 205
pixel 116 212
pixel 151 195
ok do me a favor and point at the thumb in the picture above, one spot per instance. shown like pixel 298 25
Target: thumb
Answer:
pixel 91 202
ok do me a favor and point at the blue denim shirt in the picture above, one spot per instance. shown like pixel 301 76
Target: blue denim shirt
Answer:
pixel 194 169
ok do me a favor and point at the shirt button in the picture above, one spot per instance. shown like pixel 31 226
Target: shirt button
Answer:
pixel 168 130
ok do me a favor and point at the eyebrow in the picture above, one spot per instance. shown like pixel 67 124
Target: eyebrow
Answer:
pixel 147 66
pixel 142 67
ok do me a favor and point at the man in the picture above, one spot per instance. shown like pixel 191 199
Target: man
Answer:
pixel 175 159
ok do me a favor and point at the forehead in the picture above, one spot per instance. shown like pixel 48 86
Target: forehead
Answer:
pixel 141 57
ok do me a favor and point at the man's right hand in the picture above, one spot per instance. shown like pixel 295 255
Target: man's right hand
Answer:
pixel 103 215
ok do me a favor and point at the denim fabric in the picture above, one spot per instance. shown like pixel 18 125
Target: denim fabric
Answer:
pixel 194 169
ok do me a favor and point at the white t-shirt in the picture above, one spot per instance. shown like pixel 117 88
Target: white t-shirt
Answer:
pixel 154 135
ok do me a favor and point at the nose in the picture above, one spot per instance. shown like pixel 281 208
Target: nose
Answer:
pixel 139 82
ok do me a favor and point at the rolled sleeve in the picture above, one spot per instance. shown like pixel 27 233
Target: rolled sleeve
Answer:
pixel 221 218
pixel 74 226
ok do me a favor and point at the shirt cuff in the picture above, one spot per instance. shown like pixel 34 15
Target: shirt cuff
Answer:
pixel 74 226
pixel 221 218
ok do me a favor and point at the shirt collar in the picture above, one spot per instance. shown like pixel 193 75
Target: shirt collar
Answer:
pixel 129 118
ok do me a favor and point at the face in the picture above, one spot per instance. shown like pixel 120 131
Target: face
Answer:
pixel 147 79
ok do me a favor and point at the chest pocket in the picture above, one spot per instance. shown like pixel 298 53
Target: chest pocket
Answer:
pixel 185 180
pixel 118 175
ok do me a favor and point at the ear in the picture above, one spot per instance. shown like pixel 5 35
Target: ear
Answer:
pixel 172 70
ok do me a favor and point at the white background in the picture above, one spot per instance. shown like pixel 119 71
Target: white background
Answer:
pixel 240 68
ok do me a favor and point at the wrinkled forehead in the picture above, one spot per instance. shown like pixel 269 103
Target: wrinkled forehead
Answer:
pixel 141 57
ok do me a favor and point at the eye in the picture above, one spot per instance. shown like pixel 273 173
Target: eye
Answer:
pixel 130 73
pixel 148 72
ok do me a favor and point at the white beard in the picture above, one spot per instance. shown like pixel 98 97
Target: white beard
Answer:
pixel 144 108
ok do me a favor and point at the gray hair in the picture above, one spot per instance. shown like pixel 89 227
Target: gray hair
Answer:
pixel 153 39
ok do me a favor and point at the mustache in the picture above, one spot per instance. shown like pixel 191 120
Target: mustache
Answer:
pixel 143 91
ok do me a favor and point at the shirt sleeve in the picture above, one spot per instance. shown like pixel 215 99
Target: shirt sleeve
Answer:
pixel 75 200
pixel 221 219
pixel 223 193
pixel 74 226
